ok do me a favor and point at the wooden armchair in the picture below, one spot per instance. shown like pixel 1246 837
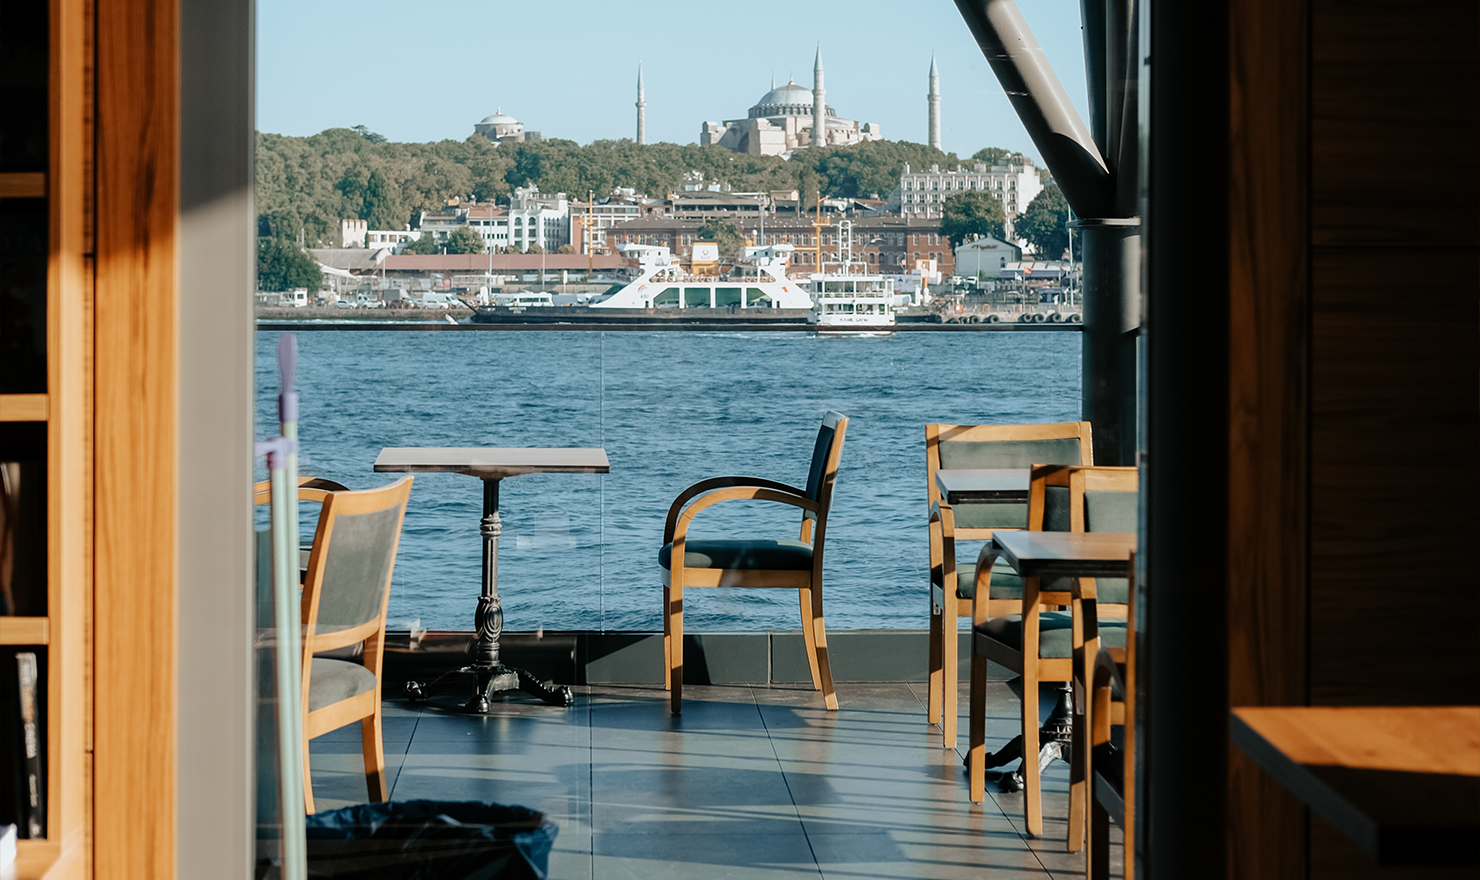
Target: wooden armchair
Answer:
pixel 1111 768
pixel 951 584
pixel 1098 499
pixel 345 594
pixel 754 562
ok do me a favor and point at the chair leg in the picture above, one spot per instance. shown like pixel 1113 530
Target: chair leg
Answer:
pixel 976 755
pixel 1098 867
pixel 1079 769
pixel 1032 783
pixel 933 687
pixel 950 668
pixel 307 781
pixel 371 739
pixel 667 640
pixel 809 637
pixel 675 650
pixel 829 697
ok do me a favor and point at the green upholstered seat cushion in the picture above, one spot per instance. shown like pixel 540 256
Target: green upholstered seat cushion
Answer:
pixel 1006 584
pixel 753 555
pixel 1055 633
pixel 333 681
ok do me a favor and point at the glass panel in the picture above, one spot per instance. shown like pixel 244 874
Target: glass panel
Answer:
pixel 23 508
pixel 23 81
pixel 23 740
pixel 23 238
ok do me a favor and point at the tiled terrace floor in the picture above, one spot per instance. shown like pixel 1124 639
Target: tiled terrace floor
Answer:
pixel 750 782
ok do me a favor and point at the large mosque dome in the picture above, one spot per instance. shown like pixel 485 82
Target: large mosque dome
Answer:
pixel 788 100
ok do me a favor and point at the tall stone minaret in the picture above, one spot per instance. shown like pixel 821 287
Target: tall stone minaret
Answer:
pixel 641 110
pixel 819 103
pixel 934 105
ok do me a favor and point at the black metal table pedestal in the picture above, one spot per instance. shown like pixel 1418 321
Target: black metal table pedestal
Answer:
pixel 1055 737
pixel 489 675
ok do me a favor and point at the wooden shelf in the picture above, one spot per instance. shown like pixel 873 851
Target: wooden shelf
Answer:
pixel 24 407
pixel 34 858
pixel 23 185
pixel 25 631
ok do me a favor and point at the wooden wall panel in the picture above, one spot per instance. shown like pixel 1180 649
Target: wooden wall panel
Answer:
pixel 1268 394
pixel 1396 398
pixel 135 453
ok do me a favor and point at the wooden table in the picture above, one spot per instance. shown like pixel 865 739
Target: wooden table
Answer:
pixel 1042 555
pixel 491 465
pixel 1401 782
pixel 983 485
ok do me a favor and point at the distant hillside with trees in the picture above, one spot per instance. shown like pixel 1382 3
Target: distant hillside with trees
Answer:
pixel 310 183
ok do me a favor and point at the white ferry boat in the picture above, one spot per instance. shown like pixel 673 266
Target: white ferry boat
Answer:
pixel 845 301
pixel 661 283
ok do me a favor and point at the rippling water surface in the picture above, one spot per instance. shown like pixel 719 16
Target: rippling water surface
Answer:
pixel 670 408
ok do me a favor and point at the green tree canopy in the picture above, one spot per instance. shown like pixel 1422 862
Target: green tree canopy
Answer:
pixel 995 155
pixel 283 265
pixel 724 234
pixel 426 244
pixel 971 214
pixel 464 240
pixel 1045 223
pixel 310 183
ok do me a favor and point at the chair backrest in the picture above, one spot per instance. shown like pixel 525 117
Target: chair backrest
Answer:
pixel 1001 446
pixel 1087 499
pixel 823 472
pixel 347 586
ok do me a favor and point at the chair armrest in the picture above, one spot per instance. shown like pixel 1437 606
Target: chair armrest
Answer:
pixel 710 485
pixel 737 493
pixel 942 526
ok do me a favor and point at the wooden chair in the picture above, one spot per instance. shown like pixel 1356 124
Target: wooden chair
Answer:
pixel 311 489
pixel 979 446
pixel 1100 499
pixel 1111 771
pixel 345 595
pixel 754 562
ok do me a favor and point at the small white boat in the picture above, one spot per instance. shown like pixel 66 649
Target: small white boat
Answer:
pixel 845 301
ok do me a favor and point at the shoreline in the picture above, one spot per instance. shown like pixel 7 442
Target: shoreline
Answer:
pixel 668 326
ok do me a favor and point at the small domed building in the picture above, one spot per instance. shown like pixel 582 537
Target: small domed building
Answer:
pixel 501 127
pixel 786 119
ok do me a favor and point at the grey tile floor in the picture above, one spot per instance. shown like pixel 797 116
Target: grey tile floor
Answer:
pixel 750 782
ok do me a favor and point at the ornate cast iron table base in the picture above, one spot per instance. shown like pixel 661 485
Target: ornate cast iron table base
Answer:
pixel 488 675
pixel 1056 735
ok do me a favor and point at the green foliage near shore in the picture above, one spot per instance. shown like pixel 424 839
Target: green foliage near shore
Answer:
pixel 1045 223
pixel 283 265
pixel 970 214
pixel 310 183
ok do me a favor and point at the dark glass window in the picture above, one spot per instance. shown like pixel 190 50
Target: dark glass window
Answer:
pixel 23 518
pixel 23 82
pixel 23 225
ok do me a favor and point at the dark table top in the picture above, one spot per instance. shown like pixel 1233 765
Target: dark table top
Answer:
pixel 1401 782
pixel 1072 554
pixel 491 463
pixel 983 485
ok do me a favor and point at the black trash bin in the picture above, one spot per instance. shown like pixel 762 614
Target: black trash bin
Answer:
pixel 428 840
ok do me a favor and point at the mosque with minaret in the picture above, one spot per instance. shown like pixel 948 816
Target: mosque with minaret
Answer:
pixel 789 118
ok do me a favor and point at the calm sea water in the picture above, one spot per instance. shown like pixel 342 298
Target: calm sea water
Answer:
pixel 670 408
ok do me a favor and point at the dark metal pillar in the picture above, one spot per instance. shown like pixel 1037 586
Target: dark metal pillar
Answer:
pixel 1111 289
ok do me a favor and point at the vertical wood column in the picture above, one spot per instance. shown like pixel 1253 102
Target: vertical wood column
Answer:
pixel 135 454
pixel 1268 394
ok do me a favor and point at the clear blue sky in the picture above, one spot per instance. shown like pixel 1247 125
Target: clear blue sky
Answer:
pixel 430 70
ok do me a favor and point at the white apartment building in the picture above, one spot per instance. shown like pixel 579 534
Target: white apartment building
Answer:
pixel 1015 184
pixel 532 218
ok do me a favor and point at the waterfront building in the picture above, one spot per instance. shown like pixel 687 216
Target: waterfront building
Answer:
pixel 1015 183
pixel 351 233
pixel 393 239
pixel 889 244
pixel 788 118
pixel 985 255
pixel 531 218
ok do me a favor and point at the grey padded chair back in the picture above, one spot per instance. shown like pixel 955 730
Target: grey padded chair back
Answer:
pixel 966 454
pixel 828 437
pixel 1111 512
pixel 356 572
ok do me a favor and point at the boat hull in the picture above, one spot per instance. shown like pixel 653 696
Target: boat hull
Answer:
pixel 666 317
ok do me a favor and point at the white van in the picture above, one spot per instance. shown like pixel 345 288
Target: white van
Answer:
pixel 434 299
